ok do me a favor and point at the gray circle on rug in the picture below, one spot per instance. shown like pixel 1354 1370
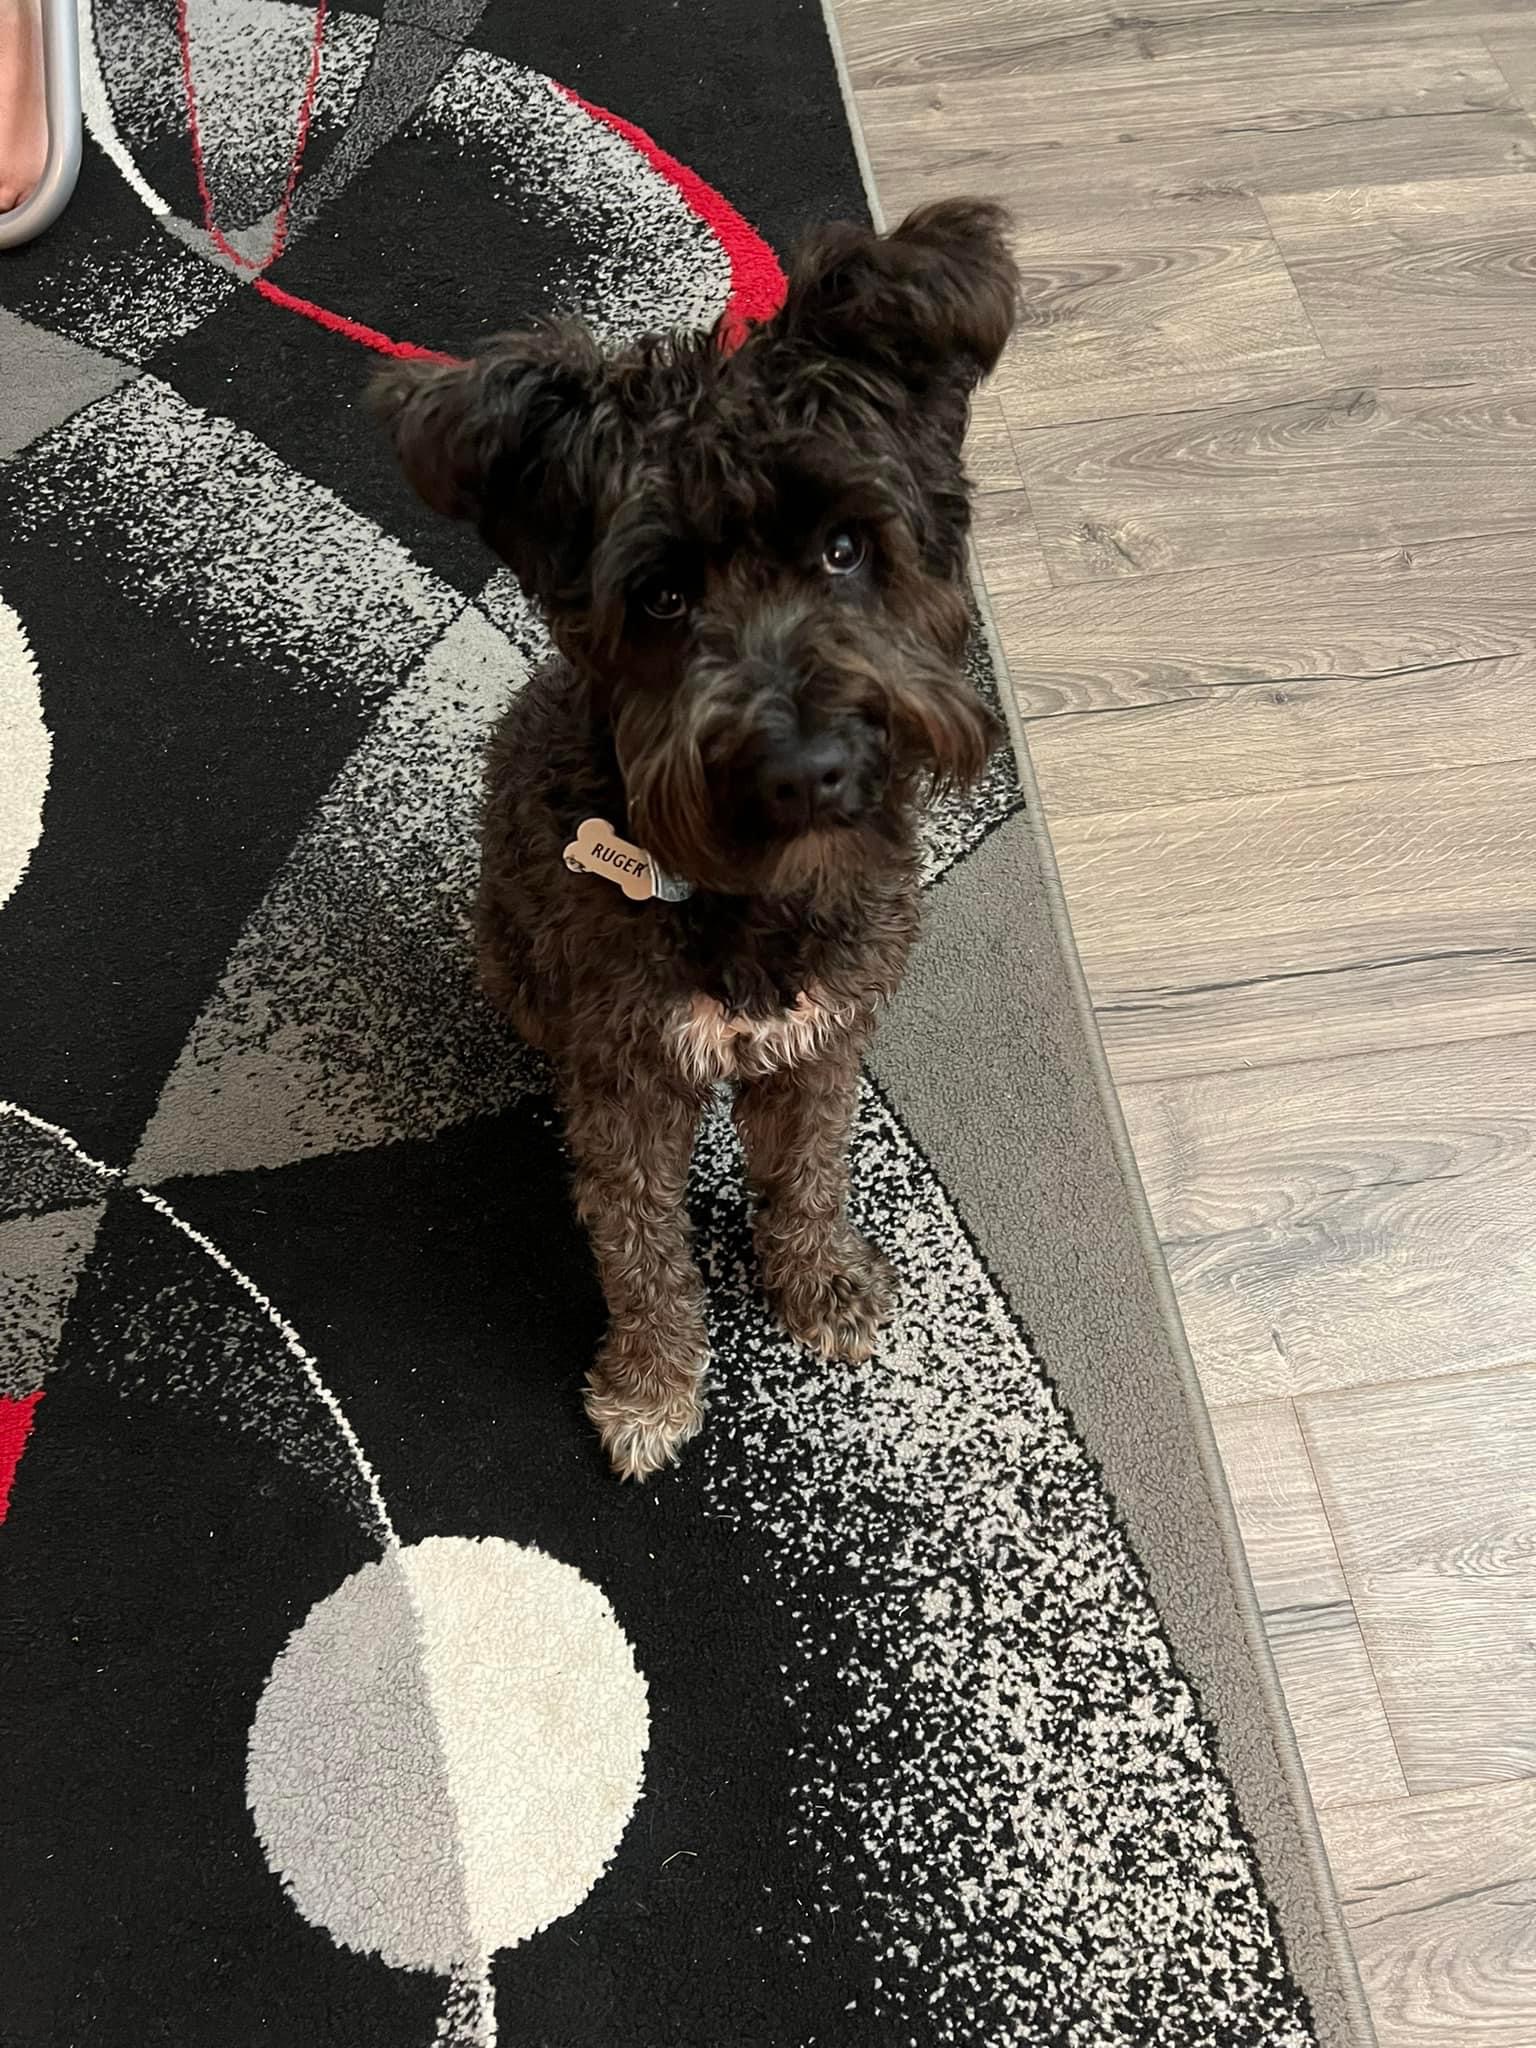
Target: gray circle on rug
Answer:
pixel 447 1751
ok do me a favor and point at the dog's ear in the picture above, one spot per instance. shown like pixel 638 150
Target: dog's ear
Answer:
pixel 500 439
pixel 936 298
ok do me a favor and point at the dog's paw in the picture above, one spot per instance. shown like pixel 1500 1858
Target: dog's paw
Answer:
pixel 644 1419
pixel 837 1304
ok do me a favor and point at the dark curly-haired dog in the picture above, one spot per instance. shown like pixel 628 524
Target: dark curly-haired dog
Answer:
pixel 752 564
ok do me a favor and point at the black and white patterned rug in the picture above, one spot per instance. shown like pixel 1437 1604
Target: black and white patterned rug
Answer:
pixel 347 1700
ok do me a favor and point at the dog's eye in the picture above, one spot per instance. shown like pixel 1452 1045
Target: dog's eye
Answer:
pixel 843 553
pixel 665 602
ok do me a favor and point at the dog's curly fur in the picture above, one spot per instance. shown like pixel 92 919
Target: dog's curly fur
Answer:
pixel 738 554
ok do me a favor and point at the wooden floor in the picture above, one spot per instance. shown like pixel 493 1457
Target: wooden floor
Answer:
pixel 1259 524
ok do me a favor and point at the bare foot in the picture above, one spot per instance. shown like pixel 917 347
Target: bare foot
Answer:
pixel 23 119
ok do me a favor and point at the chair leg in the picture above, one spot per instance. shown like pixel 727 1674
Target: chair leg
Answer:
pixel 61 85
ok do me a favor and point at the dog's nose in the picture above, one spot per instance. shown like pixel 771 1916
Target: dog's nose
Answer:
pixel 803 781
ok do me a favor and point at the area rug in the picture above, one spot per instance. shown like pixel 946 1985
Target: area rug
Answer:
pixel 347 1699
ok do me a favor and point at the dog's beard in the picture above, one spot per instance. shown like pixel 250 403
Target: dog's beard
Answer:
pixel 686 758
pixel 825 863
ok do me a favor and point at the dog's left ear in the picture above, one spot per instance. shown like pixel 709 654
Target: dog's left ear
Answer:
pixel 933 300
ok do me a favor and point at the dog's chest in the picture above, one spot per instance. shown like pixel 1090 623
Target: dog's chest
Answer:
pixel 710 1044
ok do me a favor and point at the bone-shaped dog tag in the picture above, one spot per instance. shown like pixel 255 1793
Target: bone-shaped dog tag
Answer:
pixel 598 850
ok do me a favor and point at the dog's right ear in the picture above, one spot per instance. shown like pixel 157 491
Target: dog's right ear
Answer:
pixel 934 299
pixel 497 440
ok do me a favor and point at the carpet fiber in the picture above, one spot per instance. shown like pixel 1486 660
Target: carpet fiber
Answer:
pixel 347 1699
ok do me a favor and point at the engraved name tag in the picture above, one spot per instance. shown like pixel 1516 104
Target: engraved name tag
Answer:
pixel 598 850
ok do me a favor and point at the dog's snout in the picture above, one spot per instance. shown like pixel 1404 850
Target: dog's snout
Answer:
pixel 803 781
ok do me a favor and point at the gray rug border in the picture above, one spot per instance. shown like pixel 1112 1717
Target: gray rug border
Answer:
pixel 1224 1514
pixel 1220 1498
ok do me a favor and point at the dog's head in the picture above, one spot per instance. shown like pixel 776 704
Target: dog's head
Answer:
pixel 755 559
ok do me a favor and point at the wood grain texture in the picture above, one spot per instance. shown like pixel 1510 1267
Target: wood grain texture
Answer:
pixel 989 457
pixel 1119 178
pixel 1430 1490
pixel 1012 562
pixel 1295 379
pixel 1348 1220
pixel 1160 1032
pixel 1255 738
pixel 1440 1897
pixel 1259 681
pixel 1454 257
pixel 1126 178
pixel 918 40
pixel 1416 717
pixel 1376 912
pixel 1341 1729
pixel 1512 46
pixel 1095 182
pixel 1212 94
pixel 1366 615
pixel 1178 285
pixel 1350 467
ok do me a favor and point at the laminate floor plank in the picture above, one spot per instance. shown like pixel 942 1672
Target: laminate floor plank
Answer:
pixel 1394 363
pixel 1352 468
pixel 1126 245
pixel 1170 287
pixel 1160 1031
pixel 1248 739
pixel 1330 1689
pixel 1430 1493
pixel 1308 922
pixel 1208 96
pixel 1344 1221
pixel 1512 46
pixel 1054 185
pixel 1367 615
pixel 920 40
pixel 989 457
pixel 1012 562
pixel 1439 1894
pixel 1453 259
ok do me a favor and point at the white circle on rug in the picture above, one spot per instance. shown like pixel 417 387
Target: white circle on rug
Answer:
pixel 25 753
pixel 447 1751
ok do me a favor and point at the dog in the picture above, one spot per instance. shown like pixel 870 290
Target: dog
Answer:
pixel 700 841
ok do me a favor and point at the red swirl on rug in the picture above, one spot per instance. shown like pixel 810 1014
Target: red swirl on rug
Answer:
pixel 15 1428
pixel 757 281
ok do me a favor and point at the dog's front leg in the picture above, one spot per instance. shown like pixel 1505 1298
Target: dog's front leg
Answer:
pixel 831 1287
pixel 632 1141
